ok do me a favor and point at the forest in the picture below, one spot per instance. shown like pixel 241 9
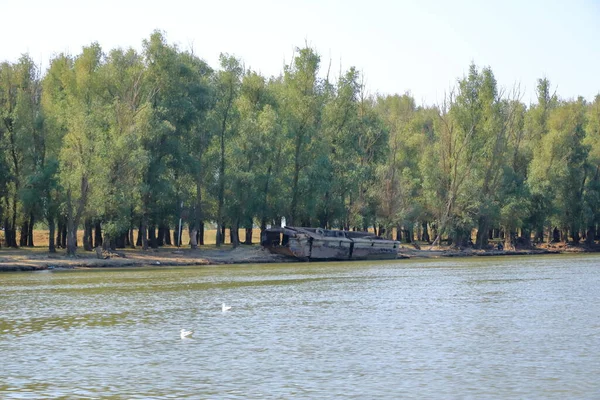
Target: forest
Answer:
pixel 123 144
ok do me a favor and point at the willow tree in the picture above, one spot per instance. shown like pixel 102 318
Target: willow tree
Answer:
pixel 78 99
pixel 164 137
pixel 491 140
pixel 196 92
pixel 515 199
pixel 301 99
pixel 592 187
pixel 125 116
pixel 399 176
pixel 224 119
pixel 333 174
pixel 536 126
pixel 560 168
pixel 20 136
pixel 30 147
pixel 255 154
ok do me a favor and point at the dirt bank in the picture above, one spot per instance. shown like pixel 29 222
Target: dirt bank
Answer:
pixel 26 259
pixel 38 259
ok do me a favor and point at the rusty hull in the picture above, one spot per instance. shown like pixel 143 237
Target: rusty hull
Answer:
pixel 326 244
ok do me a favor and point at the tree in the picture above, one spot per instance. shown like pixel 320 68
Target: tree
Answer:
pixel 83 127
pixel 165 129
pixel 333 175
pixel 399 178
pixel 225 119
pixel 591 212
pixel 256 155
pixel 559 167
pixel 197 92
pixel 301 114
pixel 536 126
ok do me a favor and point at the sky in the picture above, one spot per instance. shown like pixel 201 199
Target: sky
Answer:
pixel 418 46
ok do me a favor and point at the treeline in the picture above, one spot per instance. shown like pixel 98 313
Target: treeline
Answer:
pixel 118 142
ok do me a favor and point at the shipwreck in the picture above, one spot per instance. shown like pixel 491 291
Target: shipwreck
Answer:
pixel 328 244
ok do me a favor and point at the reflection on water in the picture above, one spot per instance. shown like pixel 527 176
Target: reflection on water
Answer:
pixel 472 328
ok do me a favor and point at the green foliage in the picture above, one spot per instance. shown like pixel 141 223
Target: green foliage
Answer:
pixel 125 138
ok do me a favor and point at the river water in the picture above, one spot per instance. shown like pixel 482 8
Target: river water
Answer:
pixel 506 327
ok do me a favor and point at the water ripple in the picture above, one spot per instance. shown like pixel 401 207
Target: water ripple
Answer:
pixel 498 328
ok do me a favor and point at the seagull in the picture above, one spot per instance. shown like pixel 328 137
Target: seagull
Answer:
pixel 185 333
pixel 225 308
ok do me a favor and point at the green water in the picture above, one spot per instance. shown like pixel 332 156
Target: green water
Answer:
pixel 510 327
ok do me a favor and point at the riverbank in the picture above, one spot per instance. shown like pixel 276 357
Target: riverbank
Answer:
pixel 33 259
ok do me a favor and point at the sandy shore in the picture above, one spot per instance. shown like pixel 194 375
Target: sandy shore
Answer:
pixel 27 259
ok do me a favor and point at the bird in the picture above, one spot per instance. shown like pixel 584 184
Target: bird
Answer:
pixel 185 333
pixel 225 308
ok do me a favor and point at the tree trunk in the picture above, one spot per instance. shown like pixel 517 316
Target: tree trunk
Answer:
pixel 51 228
pixel 87 235
pixel 482 238
pixel 10 234
pixel 235 234
pixel 131 239
pixel 223 233
pixel 97 234
pixel 201 233
pixel 525 237
pixel 539 235
pixel 408 235
pixel 381 231
pixel 23 235
pixel 575 235
pixel 167 235
pixel 248 239
pixel 138 241
pixel 160 239
pixel 555 235
pixel 107 243
pixel 143 233
pixel 63 235
pixel 426 237
pixel 263 226
pixel 30 233
pixel 219 237
pixel 509 239
pixel 74 213
pixel 193 237
pixel 71 237
pixel 59 233
pixel 590 234
pixel 119 241
pixel 176 237
pixel 152 237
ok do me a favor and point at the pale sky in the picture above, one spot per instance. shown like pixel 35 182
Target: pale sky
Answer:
pixel 420 46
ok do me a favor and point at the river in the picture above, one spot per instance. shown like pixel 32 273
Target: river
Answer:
pixel 488 327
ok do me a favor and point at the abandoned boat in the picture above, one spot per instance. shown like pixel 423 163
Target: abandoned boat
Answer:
pixel 328 244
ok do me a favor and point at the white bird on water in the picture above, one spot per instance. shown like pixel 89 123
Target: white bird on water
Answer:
pixel 225 308
pixel 185 333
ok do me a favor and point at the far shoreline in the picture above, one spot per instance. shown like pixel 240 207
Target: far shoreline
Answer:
pixel 39 259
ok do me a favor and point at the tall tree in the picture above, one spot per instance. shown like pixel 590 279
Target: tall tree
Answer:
pixel 301 109
pixel 224 116
pixel 536 126
pixel 83 126
pixel 171 119
pixel 560 167
pixel 592 188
